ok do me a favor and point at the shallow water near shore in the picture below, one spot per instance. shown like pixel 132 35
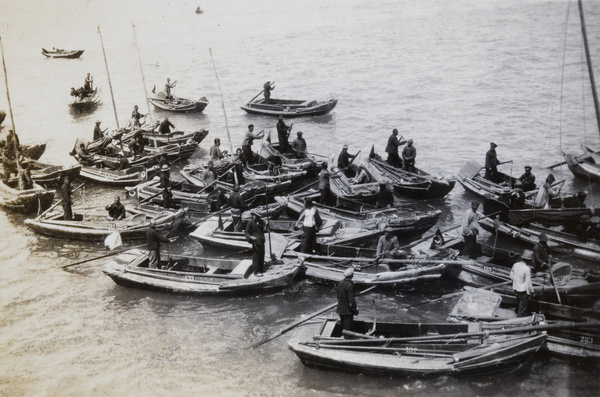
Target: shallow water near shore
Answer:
pixel 453 76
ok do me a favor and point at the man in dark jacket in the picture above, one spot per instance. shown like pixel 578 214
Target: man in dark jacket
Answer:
pixel 238 206
pixel 392 149
pixel 116 210
pixel 154 239
pixel 67 202
pixel 255 234
pixel 346 307
pixel 541 253
pixel 491 164
pixel 283 133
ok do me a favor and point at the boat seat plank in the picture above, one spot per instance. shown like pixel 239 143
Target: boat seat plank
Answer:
pixel 244 268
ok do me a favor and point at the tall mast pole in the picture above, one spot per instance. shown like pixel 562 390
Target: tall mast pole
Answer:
pixel 589 63
pixel 222 102
pixel 141 68
pixel 108 74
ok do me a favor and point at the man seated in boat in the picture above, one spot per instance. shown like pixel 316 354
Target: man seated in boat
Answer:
pixel 216 199
pixel 541 253
pixel 517 197
pixel 299 146
pixel 388 247
pixel 238 206
pixel 574 201
pixel 165 126
pixel 116 210
pixel 83 156
pixel 344 163
pixel 527 179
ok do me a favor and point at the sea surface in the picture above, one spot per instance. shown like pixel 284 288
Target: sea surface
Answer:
pixel 452 75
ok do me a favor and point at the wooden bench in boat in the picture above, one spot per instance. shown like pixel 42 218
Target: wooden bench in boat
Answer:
pixel 244 268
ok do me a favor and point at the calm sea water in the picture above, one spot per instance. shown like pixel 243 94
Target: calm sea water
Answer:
pixel 451 75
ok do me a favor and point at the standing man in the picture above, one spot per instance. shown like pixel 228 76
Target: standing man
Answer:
pixel 238 206
pixel 541 253
pixel 470 230
pixel 344 163
pixel 209 176
pixel 299 146
pixel 165 126
pixel 267 89
pixel 135 117
pixel 392 149
pixel 66 199
pixel 255 234
pixel 324 183
pixel 346 307
pixel 545 192
pixel 283 133
pixel 247 155
pixel 215 151
pixel 154 239
pixel 409 154
pixel 88 84
pixel 98 133
pixel 520 274
pixel 311 223
pixel 165 176
pixel 527 179
pixel 491 164
pixel 168 87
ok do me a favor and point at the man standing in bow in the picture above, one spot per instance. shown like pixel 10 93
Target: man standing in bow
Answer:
pixel 153 240
pixel 520 274
pixel 283 132
pixel 267 90
pixel 541 253
pixel 238 206
pixel 247 154
pixel 311 223
pixel 255 234
pixel 409 154
pixel 66 199
pixel 392 149
pixel 491 164
pixel 346 307
pixel 470 230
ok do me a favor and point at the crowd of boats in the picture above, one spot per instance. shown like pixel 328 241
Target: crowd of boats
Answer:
pixel 483 334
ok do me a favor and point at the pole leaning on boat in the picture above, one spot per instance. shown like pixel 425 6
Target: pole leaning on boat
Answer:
pixel 222 102
pixel 141 68
pixel 108 75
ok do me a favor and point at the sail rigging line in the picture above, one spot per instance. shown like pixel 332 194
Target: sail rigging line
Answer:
pixel 222 102
pixel 141 68
pixel 589 63
pixel 12 118
pixel 108 75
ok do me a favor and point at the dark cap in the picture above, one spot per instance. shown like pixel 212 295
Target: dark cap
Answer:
pixel 492 144
pixel 527 168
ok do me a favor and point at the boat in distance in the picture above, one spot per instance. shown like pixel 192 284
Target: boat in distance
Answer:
pixel 289 108
pixel 60 53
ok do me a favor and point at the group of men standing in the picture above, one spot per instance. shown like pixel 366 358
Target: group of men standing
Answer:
pixel 409 153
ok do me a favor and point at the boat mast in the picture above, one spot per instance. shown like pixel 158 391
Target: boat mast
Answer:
pixel 108 74
pixel 222 103
pixel 589 63
pixel 12 119
pixel 141 68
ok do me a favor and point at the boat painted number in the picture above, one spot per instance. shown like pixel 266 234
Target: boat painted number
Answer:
pixel 588 340
pixel 112 226
pixel 411 349
pixel 189 277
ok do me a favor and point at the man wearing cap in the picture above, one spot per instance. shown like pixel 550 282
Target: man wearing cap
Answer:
pixel 116 210
pixel 267 90
pixel 299 146
pixel 346 307
pixel 238 206
pixel 165 176
pixel 520 274
pixel 25 180
pixel 311 223
pixel 283 132
pixel 153 240
pixel 541 253
pixel 491 164
pixel 344 163
pixel 388 247
pixel 527 179
pixel 517 197
pixel 324 183
pixel 255 234
pixel 392 149
pixel 67 201
pixel 409 154
pixel 247 155
pixel 98 133
pixel 135 117
pixel 215 151
pixel 470 230
pixel 216 199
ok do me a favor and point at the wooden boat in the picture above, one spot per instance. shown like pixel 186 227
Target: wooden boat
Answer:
pixel 473 182
pixel 156 139
pixel 127 177
pixel 48 174
pixel 550 217
pixel 566 243
pixel 574 287
pixel 81 103
pixel 353 195
pixel 411 273
pixel 419 349
pixel 419 185
pixel 269 151
pixel 204 276
pixel 582 341
pixel 177 104
pixel 32 152
pixel 289 108
pixel 31 200
pixel 586 166
pixel 403 222
pixel 60 53
pixel 94 224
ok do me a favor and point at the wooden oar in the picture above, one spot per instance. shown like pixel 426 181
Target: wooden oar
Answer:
pixel 102 256
pixel 58 202
pixel 297 323
pixel 425 238
pixel 553 281
pixel 579 159
pixel 455 294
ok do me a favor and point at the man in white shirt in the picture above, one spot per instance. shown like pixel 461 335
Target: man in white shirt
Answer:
pixel 311 223
pixel 470 230
pixel 520 275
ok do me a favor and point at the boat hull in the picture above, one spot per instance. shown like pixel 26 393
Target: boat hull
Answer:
pixel 290 108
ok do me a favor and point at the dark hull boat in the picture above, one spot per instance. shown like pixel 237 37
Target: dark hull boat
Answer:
pixel 290 107
pixel 48 174
pixel 405 349
pixel 87 102
pixel 584 166
pixel 176 104
pixel 199 276
pixel 288 161
pixel 419 185
pixel 549 217
pixel 59 53
pixel 31 200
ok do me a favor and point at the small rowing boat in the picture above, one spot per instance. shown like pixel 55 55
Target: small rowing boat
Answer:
pixel 177 104
pixel 289 108
pixel 28 200
pixel 60 53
